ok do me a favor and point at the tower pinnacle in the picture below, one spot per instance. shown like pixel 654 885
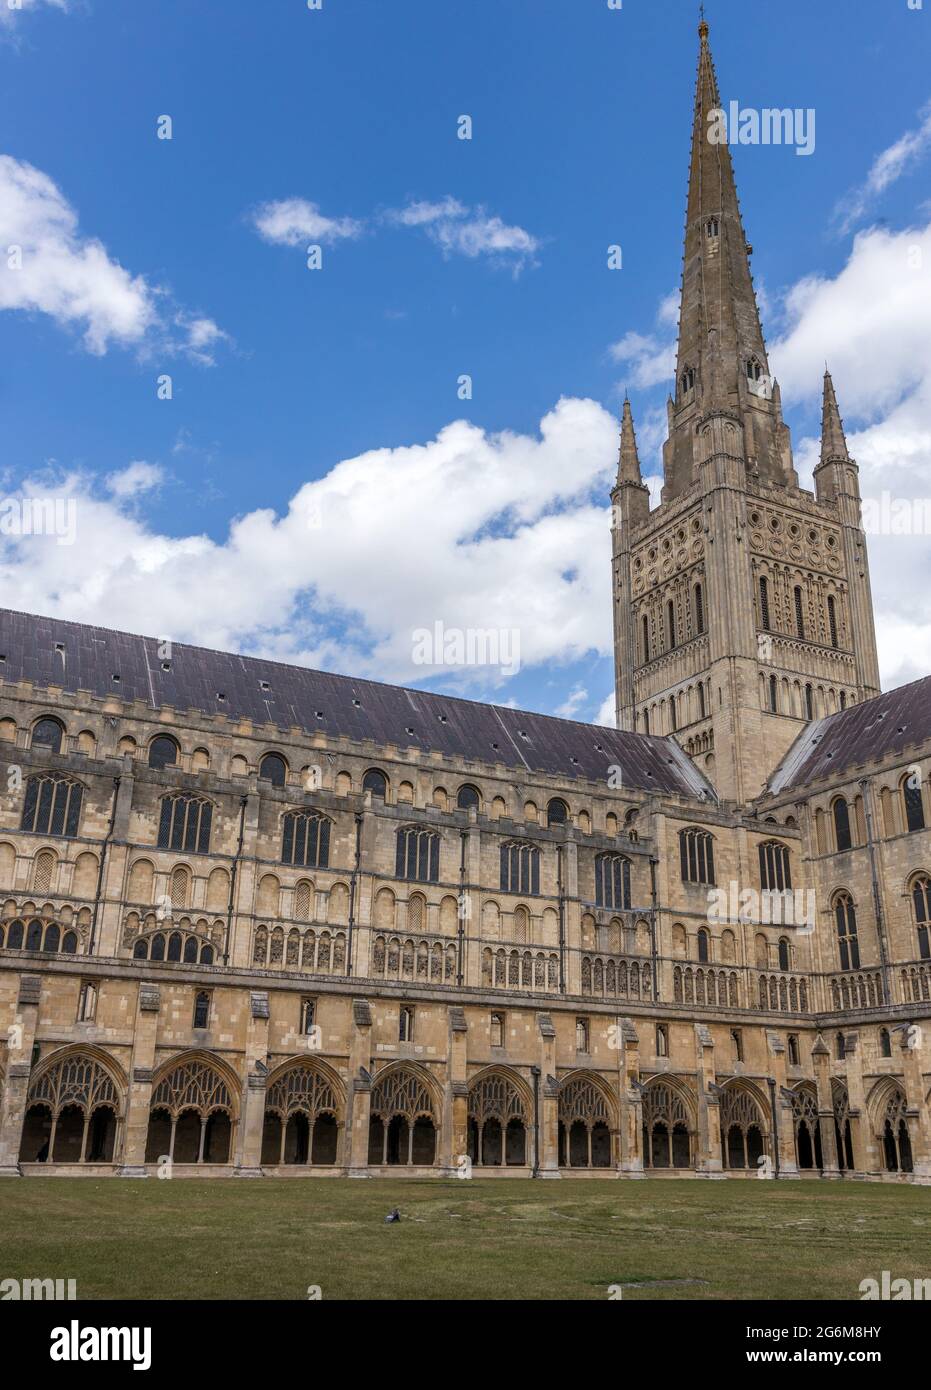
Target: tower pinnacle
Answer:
pixel 628 469
pixel 833 439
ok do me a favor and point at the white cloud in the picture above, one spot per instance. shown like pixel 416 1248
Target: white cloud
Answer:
pixel 505 512
pixel 652 357
pixel 135 479
pixel 607 716
pixel 872 322
pixel 573 702
pixel 293 220
pixel 10 14
pixel 51 268
pixel 887 168
pixel 471 232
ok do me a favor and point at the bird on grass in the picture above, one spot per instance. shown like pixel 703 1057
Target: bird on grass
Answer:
pixel 394 1215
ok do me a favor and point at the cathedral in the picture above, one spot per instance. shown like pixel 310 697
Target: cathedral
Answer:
pixel 262 920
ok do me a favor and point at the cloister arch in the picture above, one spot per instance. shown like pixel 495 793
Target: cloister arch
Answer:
pixel 403 1116
pixel 305 1110
pixel 500 1118
pixel 808 1152
pixel 73 1108
pixel 669 1126
pixel 888 1110
pixel 193 1111
pixel 588 1122
pixel 744 1131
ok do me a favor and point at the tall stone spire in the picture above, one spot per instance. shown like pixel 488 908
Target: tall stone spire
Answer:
pixel 721 364
pixel 833 439
pixel 628 468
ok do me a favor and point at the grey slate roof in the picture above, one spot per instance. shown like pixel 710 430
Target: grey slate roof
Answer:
pixel 50 651
pixel 864 733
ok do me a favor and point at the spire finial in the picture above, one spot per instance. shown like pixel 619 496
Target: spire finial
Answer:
pixel 628 470
pixel 703 23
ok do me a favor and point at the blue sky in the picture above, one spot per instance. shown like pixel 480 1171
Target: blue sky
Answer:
pixel 286 381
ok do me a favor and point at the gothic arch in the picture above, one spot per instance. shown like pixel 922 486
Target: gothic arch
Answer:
pixel 807 1126
pixel 588 1120
pixel 74 1107
pixel 406 1104
pixel 887 1106
pixel 500 1118
pixel 305 1109
pixel 194 1110
pixel 669 1123
pixel 744 1128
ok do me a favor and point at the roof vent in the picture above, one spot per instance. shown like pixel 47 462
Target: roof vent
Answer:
pixel 59 646
pixel 265 685
pixel 574 760
pixel 166 665
pixel 410 731
pixel 357 703
pixel 494 745
pixel 598 748
pixel 318 714
pixel 442 719
pixel 115 677
pixel 220 695
pixel 3 656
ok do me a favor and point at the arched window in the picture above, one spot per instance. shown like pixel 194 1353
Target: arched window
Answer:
pixel 520 868
pixel 418 854
pixel 799 613
pixel 832 620
pixel 47 733
pixel 71 1113
pixel 921 898
pixel 841 813
pixel 688 380
pixel 784 954
pixel 52 806
pixel 671 623
pixel 809 702
pixel 662 1040
pixel 699 600
pixel 773 695
pixel 845 915
pixel 712 227
pixel 754 370
pixel 468 798
pixel 191 1114
pixel 696 853
pixel 201 1009
pixel 775 866
pixel 274 769
pixel 914 803
pixel 402 1126
pixel 764 603
pixel 612 881
pixel 704 946
pixel 646 638
pixel 163 752
pixel 557 812
pixel 305 839
pixel 179 887
pixel 185 823
pixel 42 871
pixel 794 1058
pixel 667 1128
pixel 885 1043
pixel 376 782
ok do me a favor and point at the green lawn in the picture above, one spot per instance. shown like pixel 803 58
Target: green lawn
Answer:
pixel 272 1238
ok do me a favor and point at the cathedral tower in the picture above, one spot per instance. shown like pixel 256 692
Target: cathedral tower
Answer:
pixel 742 603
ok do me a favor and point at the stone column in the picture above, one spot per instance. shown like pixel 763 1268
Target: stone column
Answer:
pixel 359 1095
pixel 863 1152
pixel 548 1118
pixel 252 1117
pixel 455 1141
pixel 821 1058
pixel 142 1065
pixel 708 1162
pixel 631 1107
pixel 784 1141
pixel 21 1038
pixel 919 1120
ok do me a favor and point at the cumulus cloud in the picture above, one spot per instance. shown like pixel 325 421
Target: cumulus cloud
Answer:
pixel 872 321
pixel 887 168
pixel 651 356
pixel 52 268
pixel 133 480
pixel 9 15
pixel 291 221
pixel 505 510
pixel 468 231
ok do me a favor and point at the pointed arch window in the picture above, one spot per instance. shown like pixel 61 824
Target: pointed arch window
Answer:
pixel 832 620
pixel 520 868
pixel 184 824
pixel 418 854
pixel 845 916
pixel 699 598
pixel 687 380
pixel 764 603
pixel 612 881
pixel 841 813
pixel 201 1009
pixel 914 803
pixel 52 806
pixel 696 852
pixel 305 839
pixel 754 369
pixel 921 900
pixel 712 227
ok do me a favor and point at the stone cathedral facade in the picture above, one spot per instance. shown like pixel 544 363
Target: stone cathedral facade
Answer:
pixel 256 919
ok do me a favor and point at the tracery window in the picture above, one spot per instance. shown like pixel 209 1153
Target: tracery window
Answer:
pixel 71 1113
pixel 52 805
pixel 841 812
pixel 402 1128
pixel 302 1113
pixel 585 1123
pixel 612 881
pixel 38 936
pixel 498 1123
pixel 184 823
pixel 807 1127
pixel 845 916
pixel 667 1128
pixel 914 803
pixel 742 1129
pixel 418 854
pixel 305 839
pixel 921 901
pixel 174 946
pixel 520 868
pixel 896 1139
pixel 191 1115
pixel 696 853
pixel 775 867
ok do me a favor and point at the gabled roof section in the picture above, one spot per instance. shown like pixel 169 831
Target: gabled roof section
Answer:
pixel 861 734
pixel 50 651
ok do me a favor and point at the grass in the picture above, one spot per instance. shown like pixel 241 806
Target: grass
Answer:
pixel 272 1238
